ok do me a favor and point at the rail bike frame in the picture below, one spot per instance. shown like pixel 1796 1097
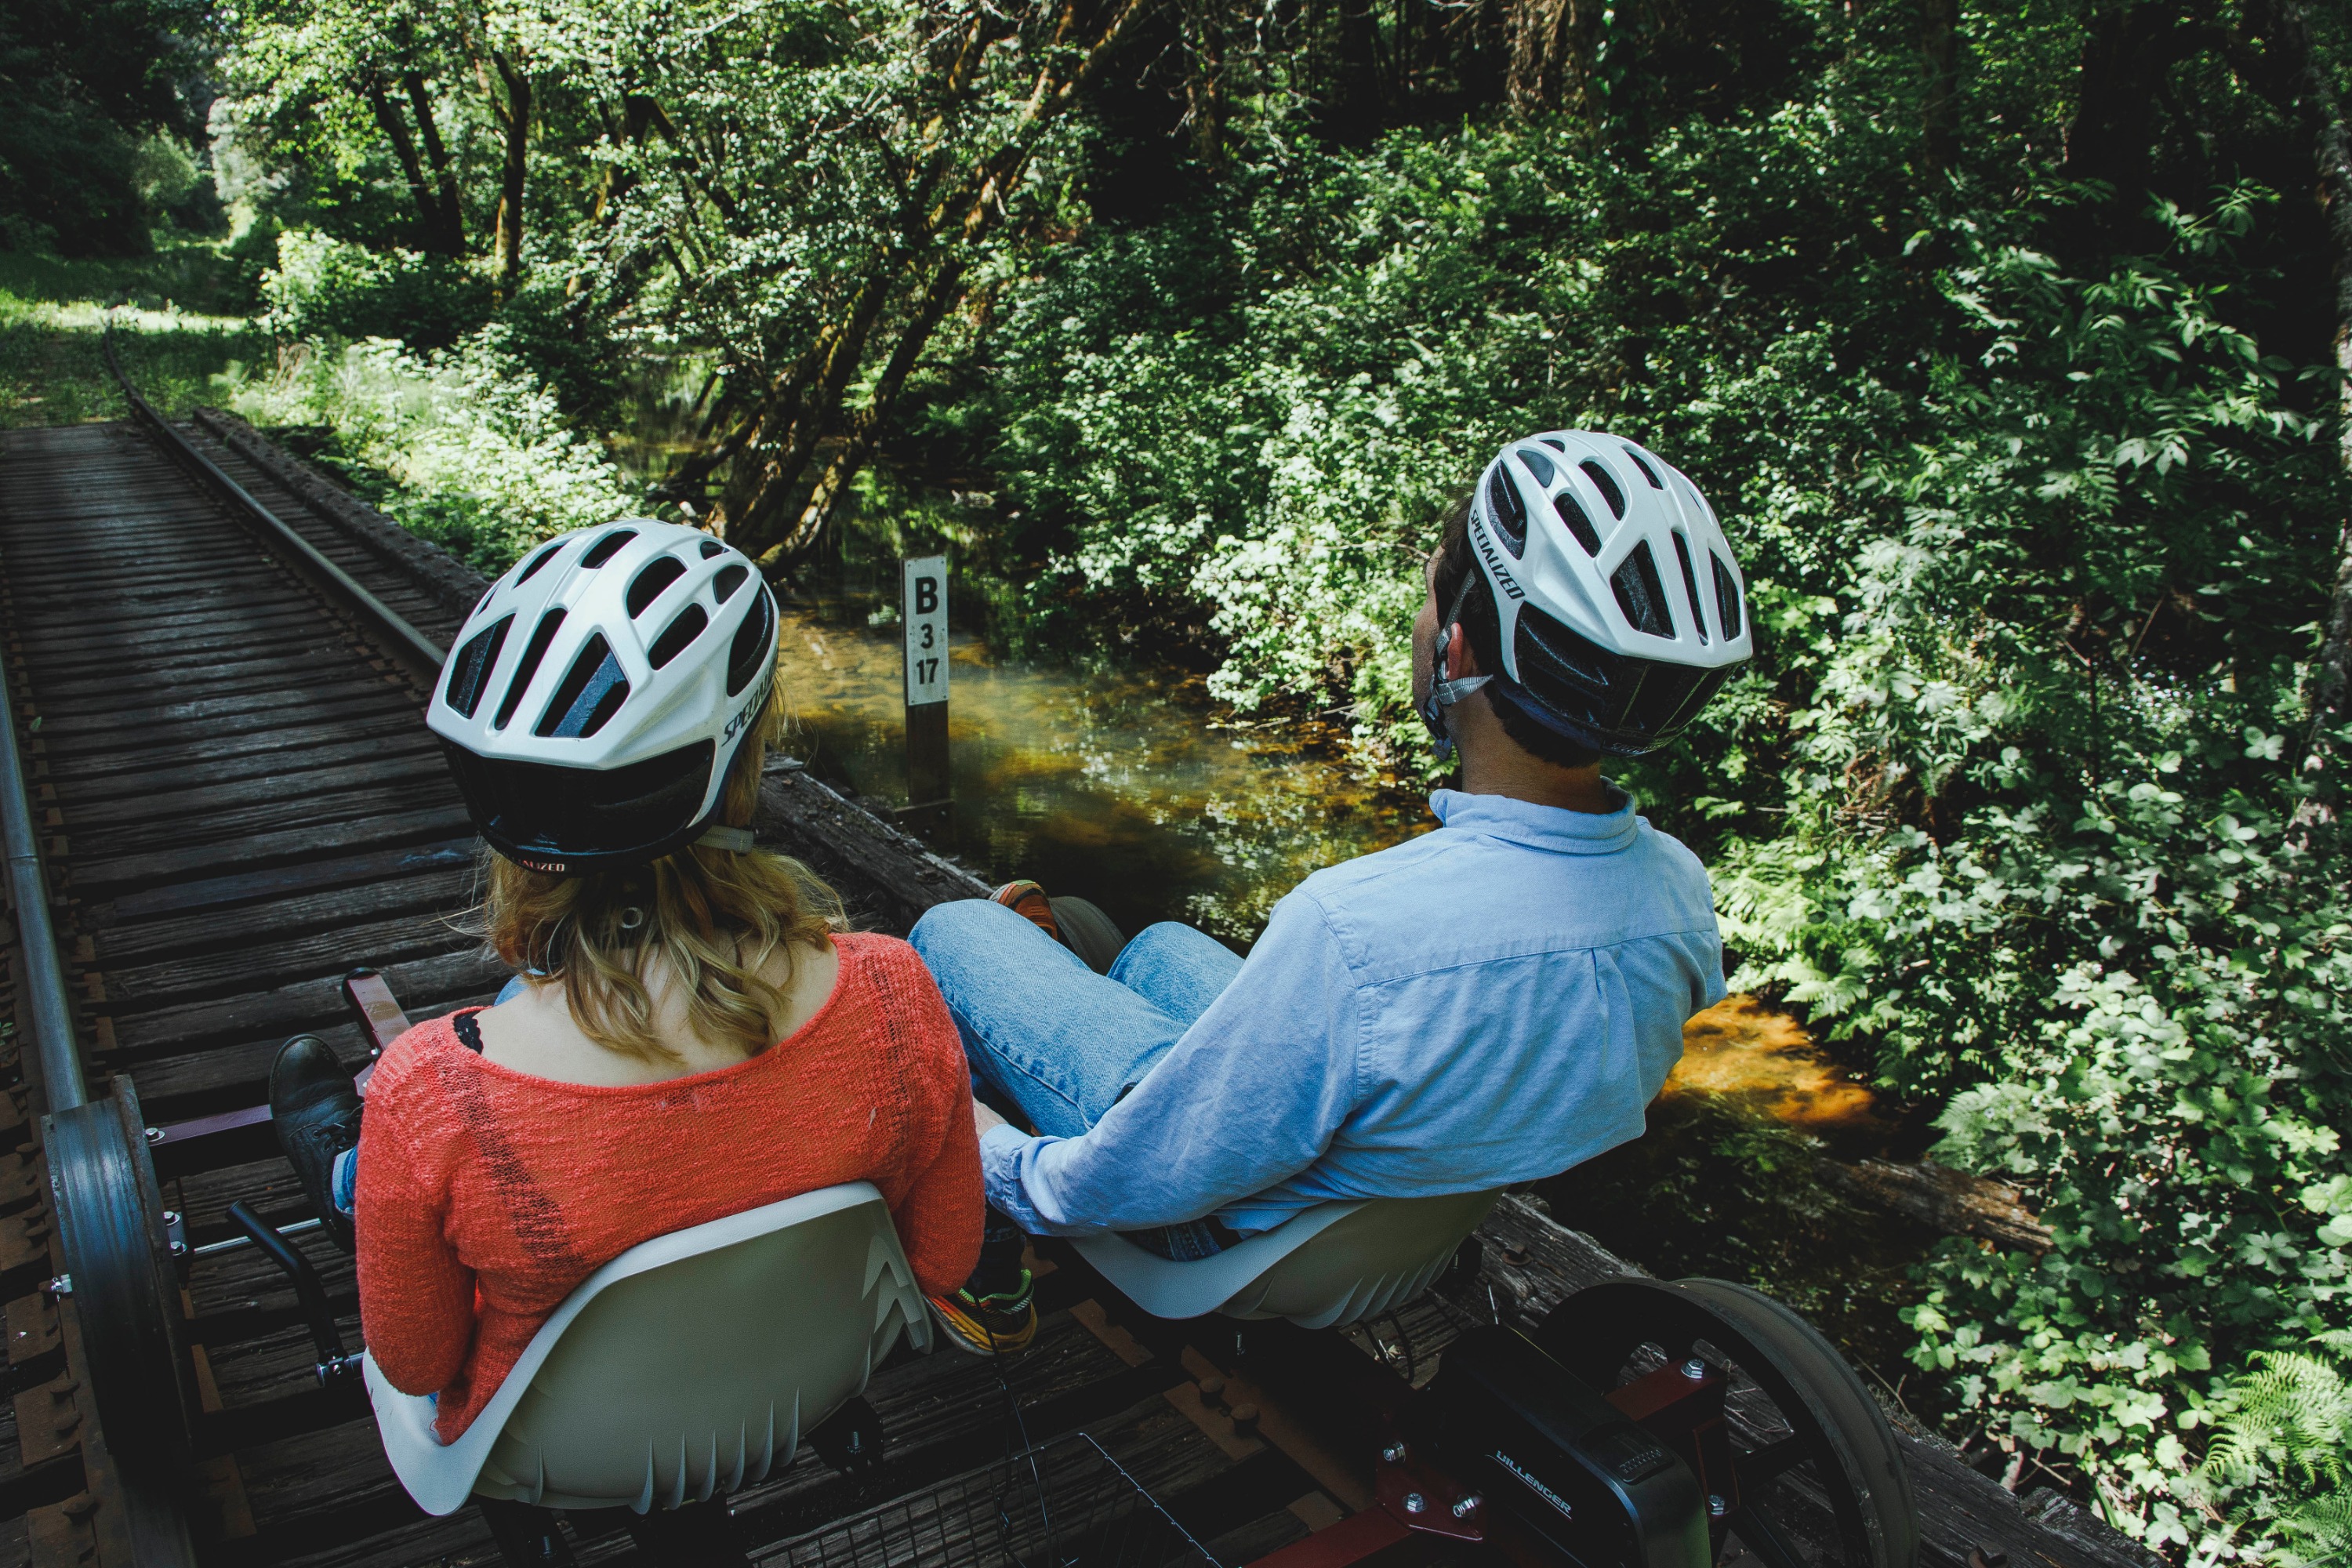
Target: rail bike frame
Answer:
pixel 1504 1452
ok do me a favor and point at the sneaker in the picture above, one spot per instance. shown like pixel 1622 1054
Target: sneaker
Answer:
pixel 316 1114
pixel 1028 901
pixel 990 1325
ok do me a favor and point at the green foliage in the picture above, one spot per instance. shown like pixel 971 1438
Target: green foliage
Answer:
pixel 174 335
pixel 89 148
pixel 477 455
pixel 323 286
pixel 2042 848
pixel 2289 1419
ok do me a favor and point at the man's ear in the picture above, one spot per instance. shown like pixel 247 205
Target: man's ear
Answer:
pixel 1460 663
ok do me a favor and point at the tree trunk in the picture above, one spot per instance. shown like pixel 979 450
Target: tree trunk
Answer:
pixel 387 117
pixel 1939 46
pixel 1202 25
pixel 857 442
pixel 449 227
pixel 1352 109
pixel 802 414
pixel 2126 49
pixel 2307 78
pixel 514 119
pixel 1552 44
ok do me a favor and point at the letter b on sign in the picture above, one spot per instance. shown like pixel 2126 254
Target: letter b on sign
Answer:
pixel 925 617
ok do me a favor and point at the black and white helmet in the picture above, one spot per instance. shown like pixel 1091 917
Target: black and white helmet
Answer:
pixel 1620 606
pixel 600 691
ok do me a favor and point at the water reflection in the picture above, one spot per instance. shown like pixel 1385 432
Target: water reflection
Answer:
pixel 1114 787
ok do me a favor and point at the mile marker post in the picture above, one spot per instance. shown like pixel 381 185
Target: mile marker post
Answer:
pixel 925 618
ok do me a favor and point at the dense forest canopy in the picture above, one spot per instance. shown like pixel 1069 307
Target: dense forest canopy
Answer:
pixel 2008 339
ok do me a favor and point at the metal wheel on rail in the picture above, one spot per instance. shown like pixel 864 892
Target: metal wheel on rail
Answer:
pixel 1814 1465
pixel 125 1284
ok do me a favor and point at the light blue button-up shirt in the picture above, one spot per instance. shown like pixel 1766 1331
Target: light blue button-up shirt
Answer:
pixel 1495 1001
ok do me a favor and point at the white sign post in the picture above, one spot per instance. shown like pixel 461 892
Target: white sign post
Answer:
pixel 924 614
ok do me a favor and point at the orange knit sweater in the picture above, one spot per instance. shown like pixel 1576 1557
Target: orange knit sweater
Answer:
pixel 486 1195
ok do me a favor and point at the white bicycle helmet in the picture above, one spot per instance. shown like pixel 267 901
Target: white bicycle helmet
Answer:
pixel 600 691
pixel 1619 606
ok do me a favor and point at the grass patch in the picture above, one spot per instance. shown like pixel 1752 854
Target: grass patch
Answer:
pixel 178 318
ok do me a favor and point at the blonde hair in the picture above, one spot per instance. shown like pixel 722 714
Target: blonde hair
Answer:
pixel 712 918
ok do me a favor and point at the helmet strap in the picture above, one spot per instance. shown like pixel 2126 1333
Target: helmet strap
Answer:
pixel 1444 693
pixel 737 840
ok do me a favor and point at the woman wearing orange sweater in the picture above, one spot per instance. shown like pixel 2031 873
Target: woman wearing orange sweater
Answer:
pixel 692 1034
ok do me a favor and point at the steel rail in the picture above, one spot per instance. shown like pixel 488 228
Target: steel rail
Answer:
pixel 421 653
pixel 43 992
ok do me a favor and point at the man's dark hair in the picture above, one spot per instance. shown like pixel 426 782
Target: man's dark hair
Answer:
pixel 1484 630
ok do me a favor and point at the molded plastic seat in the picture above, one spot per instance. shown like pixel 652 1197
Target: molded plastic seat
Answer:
pixel 689 1366
pixel 1329 1266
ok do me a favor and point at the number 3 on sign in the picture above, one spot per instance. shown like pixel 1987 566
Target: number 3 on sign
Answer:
pixel 925 618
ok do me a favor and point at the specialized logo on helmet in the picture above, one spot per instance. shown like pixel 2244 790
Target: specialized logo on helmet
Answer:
pixel 1493 557
pixel 749 710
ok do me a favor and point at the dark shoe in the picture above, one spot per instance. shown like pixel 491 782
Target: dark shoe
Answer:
pixel 316 1114
pixel 1028 901
pixel 990 1325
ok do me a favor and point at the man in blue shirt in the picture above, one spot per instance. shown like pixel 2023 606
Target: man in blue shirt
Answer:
pixel 1493 1002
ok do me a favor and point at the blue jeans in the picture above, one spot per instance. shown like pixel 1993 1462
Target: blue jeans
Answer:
pixel 1061 1042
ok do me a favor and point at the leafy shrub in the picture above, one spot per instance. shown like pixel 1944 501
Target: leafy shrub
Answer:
pixel 480 457
pixel 328 288
pixel 2042 847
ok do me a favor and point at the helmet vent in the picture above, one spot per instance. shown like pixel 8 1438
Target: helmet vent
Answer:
pixel 1578 524
pixel 729 578
pixel 1726 595
pixel 1554 442
pixel 1647 472
pixel 647 585
pixel 531 567
pixel 605 549
pixel 1640 593
pixel 470 671
pixel 1538 464
pixel 1506 512
pixel 754 647
pixel 1690 585
pixel 1606 483
pixel 533 651
pixel 712 547
pixel 592 692
pixel 676 635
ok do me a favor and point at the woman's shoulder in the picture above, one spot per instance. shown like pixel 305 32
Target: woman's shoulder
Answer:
pixel 893 987
pixel 422 1052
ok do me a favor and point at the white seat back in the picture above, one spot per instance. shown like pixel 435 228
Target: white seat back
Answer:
pixel 689 1366
pixel 1334 1265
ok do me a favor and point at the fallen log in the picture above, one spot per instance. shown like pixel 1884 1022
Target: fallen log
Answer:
pixel 1954 1202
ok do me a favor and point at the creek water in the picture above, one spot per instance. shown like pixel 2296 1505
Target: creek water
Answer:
pixel 1130 789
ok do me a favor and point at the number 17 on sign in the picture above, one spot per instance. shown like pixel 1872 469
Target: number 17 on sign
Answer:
pixel 924 614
